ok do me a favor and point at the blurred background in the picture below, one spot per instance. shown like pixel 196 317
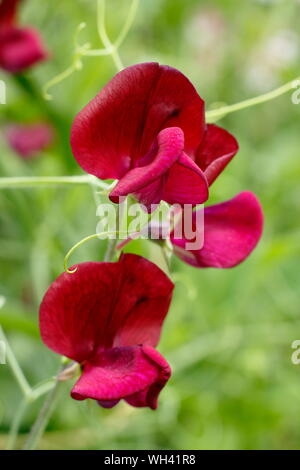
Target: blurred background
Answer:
pixel 228 335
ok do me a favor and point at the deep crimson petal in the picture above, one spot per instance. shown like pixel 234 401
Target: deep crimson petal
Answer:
pixel 123 373
pixel 215 152
pixel 232 229
pixel 76 309
pixel 143 302
pixel 28 140
pixel 172 176
pixel 119 126
pixel 105 304
pixel 20 48
pixel 149 397
pixel 170 144
pixel 185 183
pixel 8 12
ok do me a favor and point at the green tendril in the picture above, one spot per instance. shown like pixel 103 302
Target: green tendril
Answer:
pixel 84 50
pixel 85 240
pixel 215 114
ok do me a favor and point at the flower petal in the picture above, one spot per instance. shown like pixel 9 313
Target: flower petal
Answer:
pixel 20 49
pixel 120 125
pixel 170 144
pixel 143 302
pixel 105 304
pixel 215 152
pixel 232 229
pixel 135 373
pixel 172 176
pixel 185 183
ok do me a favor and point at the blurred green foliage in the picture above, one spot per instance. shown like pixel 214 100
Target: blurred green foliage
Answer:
pixel 229 332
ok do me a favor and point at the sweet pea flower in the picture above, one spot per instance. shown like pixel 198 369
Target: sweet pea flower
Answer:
pixel 230 232
pixel 108 318
pixel 146 128
pixel 20 48
pixel 30 139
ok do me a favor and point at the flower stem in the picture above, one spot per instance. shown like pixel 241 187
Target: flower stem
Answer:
pixel 104 36
pixel 41 422
pixel 15 368
pixel 16 182
pixel 215 114
pixel 128 23
pixel 36 393
pixel 109 252
pixel 14 430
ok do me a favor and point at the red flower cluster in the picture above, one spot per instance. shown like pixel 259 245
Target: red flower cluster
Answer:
pixel 20 47
pixel 147 129
pixel 108 317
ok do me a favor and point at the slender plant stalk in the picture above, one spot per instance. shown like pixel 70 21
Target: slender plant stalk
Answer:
pixel 14 430
pixel 15 368
pixel 36 393
pixel 104 36
pixel 29 394
pixel 42 420
pixel 215 114
pixel 34 181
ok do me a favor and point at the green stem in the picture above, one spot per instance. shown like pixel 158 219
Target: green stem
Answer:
pixel 57 79
pixel 85 51
pixel 94 236
pixel 42 420
pixel 36 393
pixel 104 37
pixel 29 394
pixel 215 114
pixel 128 23
pixel 42 389
pixel 14 430
pixel 15 182
pixel 111 246
pixel 110 250
pixel 15 368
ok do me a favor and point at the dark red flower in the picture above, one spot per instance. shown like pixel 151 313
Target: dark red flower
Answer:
pixel 20 48
pixel 108 318
pixel 230 232
pixel 147 129
pixel 29 140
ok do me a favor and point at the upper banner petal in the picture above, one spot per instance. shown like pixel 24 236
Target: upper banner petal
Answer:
pixel 102 304
pixel 121 123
